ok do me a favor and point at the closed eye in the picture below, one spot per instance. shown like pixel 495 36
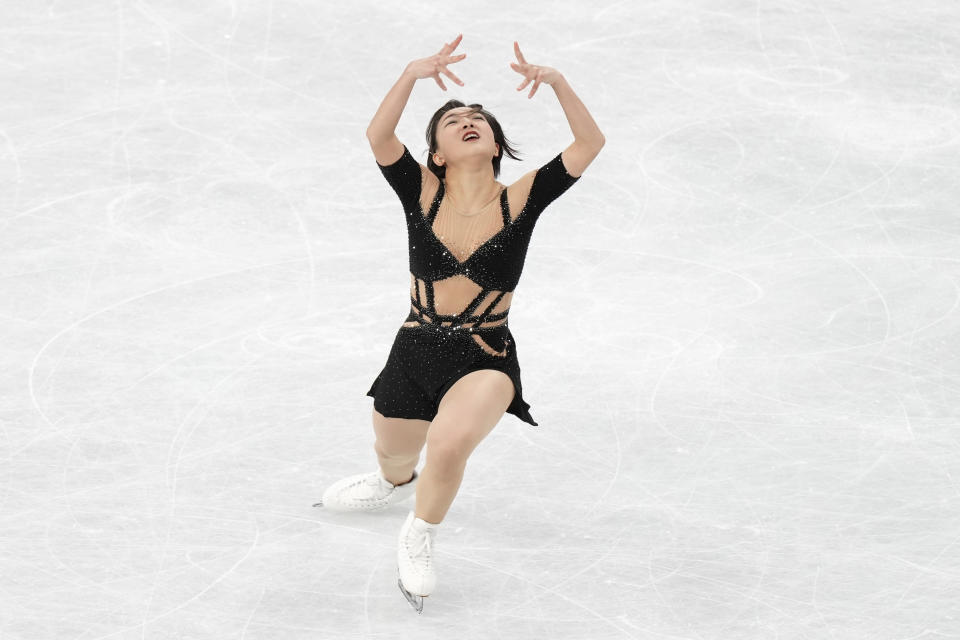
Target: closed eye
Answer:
pixel 452 120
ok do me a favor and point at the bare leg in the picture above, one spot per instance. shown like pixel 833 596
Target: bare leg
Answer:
pixel 398 445
pixel 468 412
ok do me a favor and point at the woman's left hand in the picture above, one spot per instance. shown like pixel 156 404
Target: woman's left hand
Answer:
pixel 533 72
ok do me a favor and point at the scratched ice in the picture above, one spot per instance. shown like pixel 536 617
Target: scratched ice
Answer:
pixel 738 331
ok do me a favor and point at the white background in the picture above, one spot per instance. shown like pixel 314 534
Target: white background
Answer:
pixel 738 331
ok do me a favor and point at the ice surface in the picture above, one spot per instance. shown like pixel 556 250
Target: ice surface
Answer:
pixel 738 331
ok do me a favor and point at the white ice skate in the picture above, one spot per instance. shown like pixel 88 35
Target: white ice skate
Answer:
pixel 366 492
pixel 415 574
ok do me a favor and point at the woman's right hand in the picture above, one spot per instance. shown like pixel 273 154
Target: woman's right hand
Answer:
pixel 436 64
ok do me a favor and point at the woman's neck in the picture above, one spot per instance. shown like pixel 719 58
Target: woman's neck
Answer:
pixel 470 186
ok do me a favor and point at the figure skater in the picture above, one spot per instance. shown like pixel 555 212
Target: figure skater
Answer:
pixel 453 371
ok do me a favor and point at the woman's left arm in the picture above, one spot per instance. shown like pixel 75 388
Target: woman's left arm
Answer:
pixel 588 139
pixel 581 123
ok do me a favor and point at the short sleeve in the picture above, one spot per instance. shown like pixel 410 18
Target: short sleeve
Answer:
pixel 405 178
pixel 550 182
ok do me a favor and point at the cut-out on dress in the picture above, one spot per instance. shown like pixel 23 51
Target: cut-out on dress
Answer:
pixel 463 272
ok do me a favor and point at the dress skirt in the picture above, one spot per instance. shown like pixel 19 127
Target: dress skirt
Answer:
pixel 426 360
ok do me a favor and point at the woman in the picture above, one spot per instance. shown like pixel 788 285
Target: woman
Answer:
pixel 453 370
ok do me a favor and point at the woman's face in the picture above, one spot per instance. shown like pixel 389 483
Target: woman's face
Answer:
pixel 451 129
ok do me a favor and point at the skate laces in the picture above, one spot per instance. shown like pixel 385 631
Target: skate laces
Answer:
pixel 362 489
pixel 421 554
pixel 373 481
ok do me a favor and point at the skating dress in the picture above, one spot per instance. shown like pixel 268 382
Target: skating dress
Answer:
pixel 463 273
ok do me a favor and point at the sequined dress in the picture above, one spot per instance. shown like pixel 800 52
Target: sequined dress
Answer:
pixel 463 272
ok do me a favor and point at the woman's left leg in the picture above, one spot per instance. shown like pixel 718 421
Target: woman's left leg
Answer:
pixel 469 410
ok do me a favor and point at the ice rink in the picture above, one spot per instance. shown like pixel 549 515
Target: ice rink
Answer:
pixel 739 331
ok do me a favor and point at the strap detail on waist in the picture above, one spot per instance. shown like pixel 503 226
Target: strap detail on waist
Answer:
pixel 457 319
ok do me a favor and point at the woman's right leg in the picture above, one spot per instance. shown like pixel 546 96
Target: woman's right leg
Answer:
pixel 398 445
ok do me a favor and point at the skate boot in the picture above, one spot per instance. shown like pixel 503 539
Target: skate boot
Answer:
pixel 366 492
pixel 415 574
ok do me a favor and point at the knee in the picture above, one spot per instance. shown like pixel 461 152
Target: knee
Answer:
pixel 448 450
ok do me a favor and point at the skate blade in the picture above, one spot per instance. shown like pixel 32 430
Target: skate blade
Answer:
pixel 415 601
pixel 319 504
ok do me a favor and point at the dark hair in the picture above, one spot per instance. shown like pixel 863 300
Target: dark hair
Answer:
pixel 498 136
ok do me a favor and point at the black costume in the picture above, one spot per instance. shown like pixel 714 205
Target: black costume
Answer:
pixel 426 360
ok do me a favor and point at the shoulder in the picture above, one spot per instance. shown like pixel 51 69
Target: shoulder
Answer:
pixel 555 165
pixel 392 156
pixel 519 191
pixel 537 189
pixel 524 182
pixel 524 185
pixel 397 163
pixel 388 151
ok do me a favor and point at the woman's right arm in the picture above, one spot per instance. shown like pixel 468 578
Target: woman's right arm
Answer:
pixel 386 146
pixel 388 115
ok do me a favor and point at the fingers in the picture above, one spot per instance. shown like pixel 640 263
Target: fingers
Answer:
pixel 441 67
pixel 523 68
pixel 436 75
pixel 449 74
pixel 516 49
pixel 448 47
pixel 438 69
pixel 536 84
pixel 528 79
